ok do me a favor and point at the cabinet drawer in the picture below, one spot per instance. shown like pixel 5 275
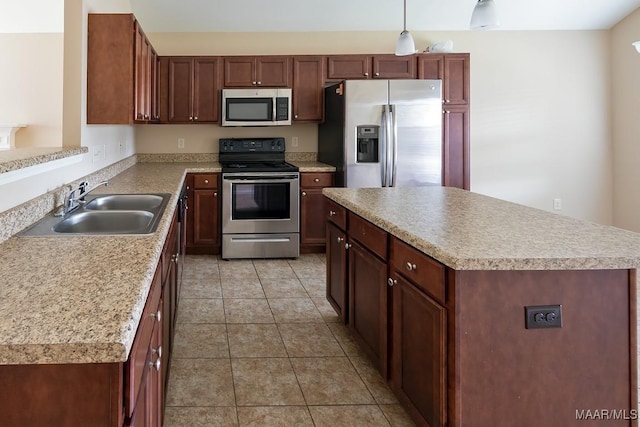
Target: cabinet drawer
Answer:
pixel 310 180
pixel 336 214
pixel 205 181
pixel 136 366
pixel 425 272
pixel 371 237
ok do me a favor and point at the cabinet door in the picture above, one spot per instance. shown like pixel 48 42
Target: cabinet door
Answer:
pixel 457 79
pixel 239 71
pixel 418 374
pixel 455 151
pixel 394 67
pixel 337 270
pixel 273 71
pixel 431 66
pixel 312 217
pixel 154 102
pixel 205 90
pixel 308 96
pixel 154 392
pixel 205 227
pixel 368 303
pixel 141 74
pixel 343 67
pixel 180 90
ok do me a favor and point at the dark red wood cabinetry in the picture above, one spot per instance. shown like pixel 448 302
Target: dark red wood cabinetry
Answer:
pixel 346 67
pixel 308 95
pixel 203 216
pixel 251 71
pixel 336 250
pixel 313 210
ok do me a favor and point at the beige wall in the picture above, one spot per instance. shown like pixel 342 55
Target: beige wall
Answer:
pixel 31 87
pixel 540 108
pixel 625 84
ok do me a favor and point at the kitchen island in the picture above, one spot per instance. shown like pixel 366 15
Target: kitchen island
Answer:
pixel 483 312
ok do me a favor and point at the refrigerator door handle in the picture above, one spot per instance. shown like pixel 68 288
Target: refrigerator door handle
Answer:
pixel 394 147
pixel 384 146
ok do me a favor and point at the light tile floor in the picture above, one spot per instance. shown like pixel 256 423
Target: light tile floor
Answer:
pixel 257 344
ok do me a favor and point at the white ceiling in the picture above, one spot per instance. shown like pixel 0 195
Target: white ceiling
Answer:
pixel 371 15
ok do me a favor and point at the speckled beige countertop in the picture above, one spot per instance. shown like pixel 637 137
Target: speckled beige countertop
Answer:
pixel 469 231
pixel 20 158
pixel 79 299
pixel 311 166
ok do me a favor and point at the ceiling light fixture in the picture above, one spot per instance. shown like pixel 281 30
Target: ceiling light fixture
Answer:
pixel 484 16
pixel 405 44
pixel 636 45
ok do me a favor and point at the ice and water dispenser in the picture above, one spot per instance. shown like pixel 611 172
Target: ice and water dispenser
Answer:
pixel 367 141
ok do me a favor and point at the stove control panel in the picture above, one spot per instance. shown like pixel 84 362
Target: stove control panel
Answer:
pixel 250 145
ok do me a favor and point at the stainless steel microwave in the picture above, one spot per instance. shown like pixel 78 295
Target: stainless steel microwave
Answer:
pixel 256 107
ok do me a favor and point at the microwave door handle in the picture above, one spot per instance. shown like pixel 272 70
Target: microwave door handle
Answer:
pixel 274 109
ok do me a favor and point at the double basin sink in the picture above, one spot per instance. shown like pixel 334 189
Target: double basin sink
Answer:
pixel 106 214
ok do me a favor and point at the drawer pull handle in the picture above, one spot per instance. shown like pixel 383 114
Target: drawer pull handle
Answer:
pixel 157 315
pixel 340 239
pixel 332 213
pixel 157 351
pixel 215 194
pixel 347 246
pixel 304 194
pixel 206 181
pixel 316 180
pixel 391 281
pixel 411 267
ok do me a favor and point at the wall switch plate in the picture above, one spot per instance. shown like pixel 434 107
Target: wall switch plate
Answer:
pixel 543 316
pixel 294 141
pixel 557 204
pixel 180 142
pixel 96 153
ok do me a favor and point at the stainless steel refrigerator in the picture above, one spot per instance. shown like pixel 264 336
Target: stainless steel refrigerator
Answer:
pixel 383 133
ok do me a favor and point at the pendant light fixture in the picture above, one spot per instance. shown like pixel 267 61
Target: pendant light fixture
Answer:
pixel 405 44
pixel 484 16
pixel 636 45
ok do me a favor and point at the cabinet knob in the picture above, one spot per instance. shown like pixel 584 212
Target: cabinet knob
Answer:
pixel 340 239
pixel 377 74
pixel 190 118
pixel 195 118
pixel 157 365
pixel 332 213
pixel 316 180
pixel 347 246
pixel 157 351
pixel 304 194
pixel 446 101
pixel 206 181
pixel 215 194
pixel 391 281
pixel 295 117
pixel 175 258
pixel 253 83
pixel 447 112
pixel 259 83
pixel 410 266
pixel 366 74
pixel 157 316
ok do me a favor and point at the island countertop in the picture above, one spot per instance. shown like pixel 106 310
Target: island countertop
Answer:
pixel 470 231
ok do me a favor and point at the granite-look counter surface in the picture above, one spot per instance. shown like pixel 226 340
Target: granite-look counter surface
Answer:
pixel 469 231
pixel 79 299
pixel 21 158
pixel 313 166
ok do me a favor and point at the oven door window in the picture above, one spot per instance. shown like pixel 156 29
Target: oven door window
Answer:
pixel 260 201
pixel 249 109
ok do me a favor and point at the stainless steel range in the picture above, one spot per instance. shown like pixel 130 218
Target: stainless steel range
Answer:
pixel 260 200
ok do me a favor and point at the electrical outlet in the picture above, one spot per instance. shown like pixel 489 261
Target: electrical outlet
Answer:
pixel 123 147
pixel 557 204
pixel 104 152
pixel 543 316
pixel 96 153
pixel 180 142
pixel 294 141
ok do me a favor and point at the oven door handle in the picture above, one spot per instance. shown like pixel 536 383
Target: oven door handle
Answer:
pixel 257 178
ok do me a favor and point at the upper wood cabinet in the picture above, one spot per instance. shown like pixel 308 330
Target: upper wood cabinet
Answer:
pixel 120 71
pixel 191 88
pixel 453 69
pixel 250 71
pixel 345 67
pixel 308 94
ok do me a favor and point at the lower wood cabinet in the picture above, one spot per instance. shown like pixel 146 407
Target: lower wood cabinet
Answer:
pixel 203 216
pixel 337 270
pixel 313 210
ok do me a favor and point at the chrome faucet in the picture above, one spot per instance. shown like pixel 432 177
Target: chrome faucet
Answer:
pixel 71 202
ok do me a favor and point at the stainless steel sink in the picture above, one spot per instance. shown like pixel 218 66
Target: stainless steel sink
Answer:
pixel 106 214
pixel 125 202
pixel 110 222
